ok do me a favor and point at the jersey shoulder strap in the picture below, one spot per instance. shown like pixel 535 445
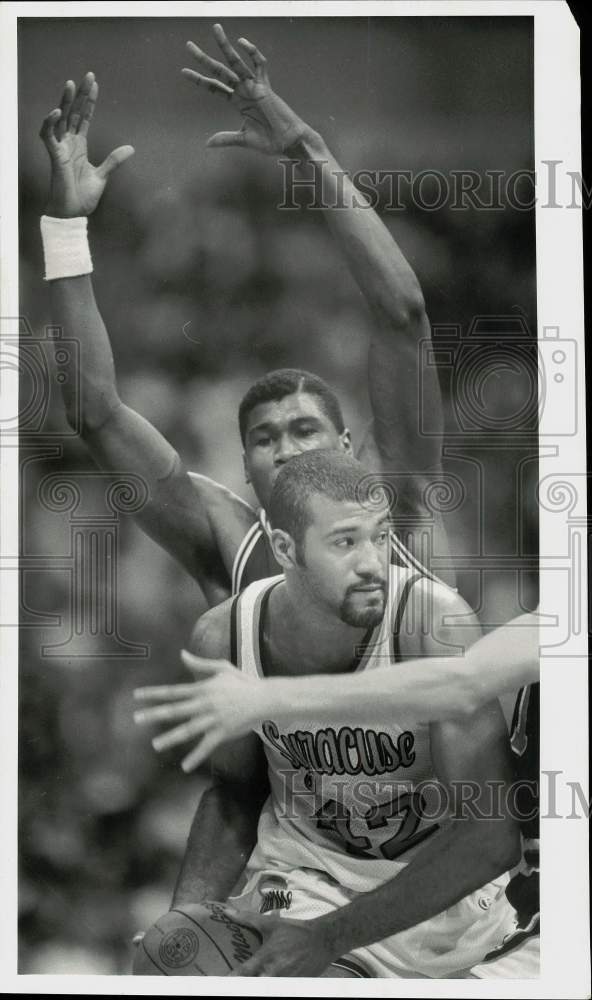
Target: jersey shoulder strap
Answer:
pixel 245 624
pixel 254 559
pixel 244 551
pixel 402 580
pixel 402 556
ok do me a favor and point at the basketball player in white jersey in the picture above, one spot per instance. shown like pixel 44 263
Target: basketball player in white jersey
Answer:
pixel 213 533
pixel 366 869
pixel 224 704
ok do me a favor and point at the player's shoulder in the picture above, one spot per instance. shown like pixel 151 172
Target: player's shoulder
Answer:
pixel 438 620
pixel 211 635
pixel 437 594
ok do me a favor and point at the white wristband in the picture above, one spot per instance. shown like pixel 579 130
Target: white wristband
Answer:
pixel 65 247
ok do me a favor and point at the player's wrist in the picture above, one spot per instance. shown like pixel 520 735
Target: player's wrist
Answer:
pixel 56 211
pixel 307 144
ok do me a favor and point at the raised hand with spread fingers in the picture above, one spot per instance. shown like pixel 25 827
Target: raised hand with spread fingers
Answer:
pixel 269 124
pixel 76 186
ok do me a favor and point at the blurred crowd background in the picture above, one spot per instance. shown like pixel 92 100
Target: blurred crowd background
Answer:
pixel 204 285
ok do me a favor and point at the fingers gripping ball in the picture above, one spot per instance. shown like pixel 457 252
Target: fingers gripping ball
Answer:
pixel 195 940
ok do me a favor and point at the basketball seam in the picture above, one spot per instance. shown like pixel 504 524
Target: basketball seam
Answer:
pixel 201 928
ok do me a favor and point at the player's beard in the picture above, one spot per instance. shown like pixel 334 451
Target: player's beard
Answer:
pixel 353 612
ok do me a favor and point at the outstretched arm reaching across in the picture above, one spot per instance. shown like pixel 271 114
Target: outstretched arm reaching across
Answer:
pixel 222 704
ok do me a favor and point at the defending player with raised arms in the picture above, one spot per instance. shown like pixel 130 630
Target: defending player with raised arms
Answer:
pixel 213 533
pixel 368 862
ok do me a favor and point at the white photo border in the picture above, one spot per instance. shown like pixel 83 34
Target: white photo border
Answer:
pixel 560 303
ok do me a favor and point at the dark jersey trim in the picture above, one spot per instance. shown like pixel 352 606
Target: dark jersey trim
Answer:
pixel 352 966
pixel 233 635
pixel 261 648
pixel 400 612
pixel 514 941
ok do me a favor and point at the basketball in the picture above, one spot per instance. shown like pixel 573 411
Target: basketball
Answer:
pixel 195 940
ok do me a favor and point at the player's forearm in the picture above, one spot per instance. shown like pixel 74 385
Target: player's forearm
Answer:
pixel 454 863
pixel 222 836
pixel 422 690
pixel 376 261
pixel 427 690
pixel 92 373
pixel 117 437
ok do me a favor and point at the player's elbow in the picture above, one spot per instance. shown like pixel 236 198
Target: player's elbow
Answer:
pixel 415 304
pixel 407 309
pixel 462 690
pixel 472 696
pixel 98 406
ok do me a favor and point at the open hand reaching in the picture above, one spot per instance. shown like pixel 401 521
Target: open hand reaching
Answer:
pixel 76 186
pixel 269 124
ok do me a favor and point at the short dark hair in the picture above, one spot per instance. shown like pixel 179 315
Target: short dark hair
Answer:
pixel 283 382
pixel 327 473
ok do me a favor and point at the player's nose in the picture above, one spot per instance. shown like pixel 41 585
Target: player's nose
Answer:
pixel 285 450
pixel 370 562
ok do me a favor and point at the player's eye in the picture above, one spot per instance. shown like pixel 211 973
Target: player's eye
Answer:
pixel 307 431
pixel 263 441
pixel 382 538
pixel 343 543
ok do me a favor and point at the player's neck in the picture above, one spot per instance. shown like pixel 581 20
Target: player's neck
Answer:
pixel 305 639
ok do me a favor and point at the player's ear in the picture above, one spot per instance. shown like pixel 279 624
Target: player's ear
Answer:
pixel 345 441
pixel 284 548
pixel 246 468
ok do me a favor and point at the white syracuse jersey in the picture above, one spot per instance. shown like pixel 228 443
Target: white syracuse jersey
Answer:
pixel 351 806
pixel 353 801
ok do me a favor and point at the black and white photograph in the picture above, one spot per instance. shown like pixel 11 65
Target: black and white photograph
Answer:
pixel 294 518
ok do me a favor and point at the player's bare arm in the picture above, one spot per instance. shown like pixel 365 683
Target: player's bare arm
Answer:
pixel 224 829
pixel 180 513
pixel 222 704
pixel 476 851
pixel 400 325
